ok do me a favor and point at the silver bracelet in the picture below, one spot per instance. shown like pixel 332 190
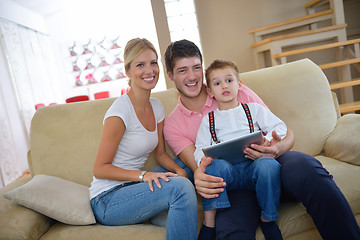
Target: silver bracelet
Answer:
pixel 141 176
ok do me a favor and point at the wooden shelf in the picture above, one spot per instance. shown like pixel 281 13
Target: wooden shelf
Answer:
pixel 298 34
pixel 299 19
pixel 340 63
pixel 316 48
pixel 345 84
pixel 349 107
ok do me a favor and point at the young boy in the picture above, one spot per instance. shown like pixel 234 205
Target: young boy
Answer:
pixel 230 120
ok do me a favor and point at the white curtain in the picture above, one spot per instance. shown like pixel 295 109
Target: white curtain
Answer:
pixel 32 69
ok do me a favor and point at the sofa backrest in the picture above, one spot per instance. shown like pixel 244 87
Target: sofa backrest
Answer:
pixel 300 95
pixel 64 138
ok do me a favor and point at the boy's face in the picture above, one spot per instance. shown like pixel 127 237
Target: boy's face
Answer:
pixel 188 76
pixel 224 85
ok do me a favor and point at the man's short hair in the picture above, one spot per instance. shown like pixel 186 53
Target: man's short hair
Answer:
pixel 180 49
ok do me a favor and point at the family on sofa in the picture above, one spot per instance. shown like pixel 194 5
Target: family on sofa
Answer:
pixel 74 147
pixel 134 127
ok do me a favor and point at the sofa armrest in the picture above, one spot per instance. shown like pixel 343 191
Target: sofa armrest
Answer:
pixel 344 142
pixel 17 222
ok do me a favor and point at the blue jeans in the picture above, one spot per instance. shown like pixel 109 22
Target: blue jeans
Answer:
pixel 182 165
pixel 133 203
pixel 262 175
pixel 305 180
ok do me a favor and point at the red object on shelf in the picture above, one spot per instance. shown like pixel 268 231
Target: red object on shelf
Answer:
pixel 39 105
pixel 125 90
pixel 77 99
pixel 100 95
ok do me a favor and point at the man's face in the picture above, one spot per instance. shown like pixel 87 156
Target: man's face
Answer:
pixel 188 76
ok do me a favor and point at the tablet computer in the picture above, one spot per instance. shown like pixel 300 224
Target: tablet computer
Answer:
pixel 233 150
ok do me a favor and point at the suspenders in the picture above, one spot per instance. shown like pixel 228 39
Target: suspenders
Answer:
pixel 212 122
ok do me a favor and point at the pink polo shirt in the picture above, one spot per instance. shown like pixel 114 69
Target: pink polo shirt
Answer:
pixel 181 126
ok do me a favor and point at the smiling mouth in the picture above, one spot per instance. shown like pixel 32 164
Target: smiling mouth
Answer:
pixel 149 79
pixel 191 84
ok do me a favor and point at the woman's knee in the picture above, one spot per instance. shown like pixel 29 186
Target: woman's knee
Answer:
pixel 183 187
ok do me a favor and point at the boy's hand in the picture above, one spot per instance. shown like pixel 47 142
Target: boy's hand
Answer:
pixel 268 149
pixel 206 185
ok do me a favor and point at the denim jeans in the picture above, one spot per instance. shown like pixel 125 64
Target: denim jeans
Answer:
pixel 181 164
pixel 261 175
pixel 132 203
pixel 303 179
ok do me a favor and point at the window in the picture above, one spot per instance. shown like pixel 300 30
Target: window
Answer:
pixel 182 20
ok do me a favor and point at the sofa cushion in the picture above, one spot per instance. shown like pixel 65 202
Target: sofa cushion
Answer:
pixel 299 94
pixel 18 222
pixel 95 232
pixel 344 143
pixel 57 198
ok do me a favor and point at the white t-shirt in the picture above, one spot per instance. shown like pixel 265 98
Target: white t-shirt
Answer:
pixel 136 144
pixel 232 123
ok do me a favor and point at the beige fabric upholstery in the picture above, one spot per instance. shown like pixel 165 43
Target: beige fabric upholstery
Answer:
pixel 64 141
pixel 342 143
pixel 300 95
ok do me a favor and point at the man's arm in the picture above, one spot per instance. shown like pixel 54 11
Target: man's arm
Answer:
pixel 187 157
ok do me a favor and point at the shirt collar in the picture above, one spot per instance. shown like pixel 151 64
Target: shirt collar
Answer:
pixel 209 102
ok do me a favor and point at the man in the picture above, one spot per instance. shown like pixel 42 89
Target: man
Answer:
pixel 310 184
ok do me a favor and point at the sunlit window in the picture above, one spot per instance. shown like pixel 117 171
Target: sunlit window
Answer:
pixel 182 20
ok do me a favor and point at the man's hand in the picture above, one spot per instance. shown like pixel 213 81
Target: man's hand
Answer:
pixel 206 185
pixel 268 149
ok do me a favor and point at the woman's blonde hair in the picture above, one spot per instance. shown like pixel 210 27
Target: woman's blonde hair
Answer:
pixel 133 48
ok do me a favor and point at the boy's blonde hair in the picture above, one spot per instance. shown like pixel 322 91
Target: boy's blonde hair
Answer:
pixel 219 64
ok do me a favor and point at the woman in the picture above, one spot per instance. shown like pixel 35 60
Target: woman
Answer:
pixel 133 127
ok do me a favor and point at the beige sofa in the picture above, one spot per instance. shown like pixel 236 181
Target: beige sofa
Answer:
pixel 64 141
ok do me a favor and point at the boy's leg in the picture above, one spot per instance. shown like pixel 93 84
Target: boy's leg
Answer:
pixel 263 176
pixel 304 178
pixel 225 170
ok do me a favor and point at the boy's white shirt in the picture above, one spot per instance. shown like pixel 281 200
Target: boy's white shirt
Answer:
pixel 233 123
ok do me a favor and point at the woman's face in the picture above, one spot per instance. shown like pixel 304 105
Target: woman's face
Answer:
pixel 144 70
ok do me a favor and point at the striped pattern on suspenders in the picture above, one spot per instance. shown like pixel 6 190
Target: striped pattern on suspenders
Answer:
pixel 212 122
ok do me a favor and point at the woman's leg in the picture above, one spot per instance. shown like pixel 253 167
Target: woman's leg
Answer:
pixel 304 178
pixel 181 164
pixel 136 203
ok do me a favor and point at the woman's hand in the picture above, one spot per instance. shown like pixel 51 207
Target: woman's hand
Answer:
pixel 154 176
